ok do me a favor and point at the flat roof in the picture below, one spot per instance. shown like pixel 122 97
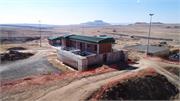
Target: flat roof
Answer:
pixel 143 48
pixel 91 39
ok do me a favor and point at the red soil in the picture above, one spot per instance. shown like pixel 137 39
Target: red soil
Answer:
pixel 38 80
pixel 121 79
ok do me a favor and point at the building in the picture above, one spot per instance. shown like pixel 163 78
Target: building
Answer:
pixel 55 41
pixel 82 52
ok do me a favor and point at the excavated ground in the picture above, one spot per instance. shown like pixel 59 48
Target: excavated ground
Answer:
pixel 16 48
pixel 144 83
pixel 13 55
pixel 151 87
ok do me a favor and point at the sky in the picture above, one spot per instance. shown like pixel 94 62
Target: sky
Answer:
pixel 64 12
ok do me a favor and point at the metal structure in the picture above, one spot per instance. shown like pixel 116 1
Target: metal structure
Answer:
pixel 149 33
pixel 40 43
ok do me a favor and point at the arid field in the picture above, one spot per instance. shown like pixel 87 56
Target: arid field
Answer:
pixel 41 76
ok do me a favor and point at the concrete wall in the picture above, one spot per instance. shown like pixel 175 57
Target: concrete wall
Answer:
pixel 65 58
pixel 82 63
pixel 95 60
pixel 72 59
pixel 118 56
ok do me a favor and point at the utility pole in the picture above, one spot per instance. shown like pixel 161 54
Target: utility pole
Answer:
pixel 1 33
pixel 147 51
pixel 40 32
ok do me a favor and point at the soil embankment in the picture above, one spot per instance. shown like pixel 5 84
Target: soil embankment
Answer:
pixel 150 87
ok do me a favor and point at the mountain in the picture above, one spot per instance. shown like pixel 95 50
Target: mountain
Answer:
pixel 44 26
pixel 95 23
pixel 140 23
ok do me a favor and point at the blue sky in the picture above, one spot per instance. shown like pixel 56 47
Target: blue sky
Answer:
pixel 77 11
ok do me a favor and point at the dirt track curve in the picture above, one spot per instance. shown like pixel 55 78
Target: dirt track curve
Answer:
pixel 81 89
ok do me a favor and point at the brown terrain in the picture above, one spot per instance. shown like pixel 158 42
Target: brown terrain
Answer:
pixel 42 77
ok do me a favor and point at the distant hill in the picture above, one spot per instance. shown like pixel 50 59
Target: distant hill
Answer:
pixel 158 23
pixel 140 23
pixel 44 26
pixel 144 23
pixel 96 23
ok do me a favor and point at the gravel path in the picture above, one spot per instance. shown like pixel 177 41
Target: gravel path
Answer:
pixel 158 66
pixel 36 64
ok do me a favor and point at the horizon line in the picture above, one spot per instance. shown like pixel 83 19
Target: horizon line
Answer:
pixel 122 23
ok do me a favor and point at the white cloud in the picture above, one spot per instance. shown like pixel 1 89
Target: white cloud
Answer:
pixel 138 1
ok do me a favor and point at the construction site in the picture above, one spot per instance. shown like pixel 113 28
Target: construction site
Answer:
pixel 89 50
pixel 90 66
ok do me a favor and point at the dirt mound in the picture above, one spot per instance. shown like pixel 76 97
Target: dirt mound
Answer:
pixel 14 55
pixel 15 39
pixel 155 87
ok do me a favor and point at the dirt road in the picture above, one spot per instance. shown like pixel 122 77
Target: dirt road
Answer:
pixel 81 89
pixel 159 67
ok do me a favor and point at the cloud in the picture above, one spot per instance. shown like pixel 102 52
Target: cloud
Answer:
pixel 138 1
